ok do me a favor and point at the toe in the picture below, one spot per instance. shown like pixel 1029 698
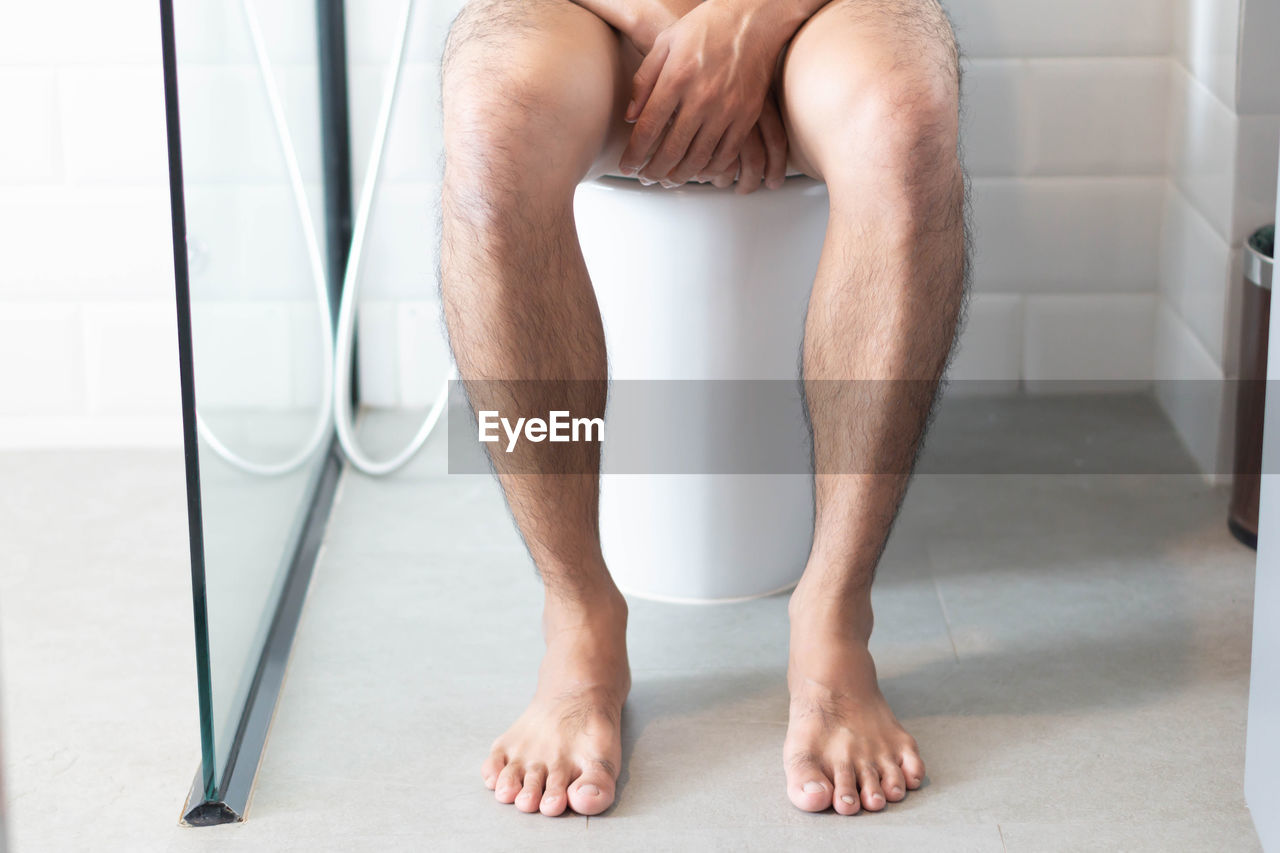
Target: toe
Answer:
pixel 509 783
pixel 892 781
pixel 869 784
pixel 492 767
pixel 845 799
pixel 530 797
pixel 592 792
pixel 556 798
pixel 807 784
pixel 912 768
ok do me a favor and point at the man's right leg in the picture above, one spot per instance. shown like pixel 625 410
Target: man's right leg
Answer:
pixel 532 90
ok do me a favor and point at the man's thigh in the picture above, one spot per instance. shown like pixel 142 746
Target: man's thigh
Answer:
pixel 547 57
pixel 857 45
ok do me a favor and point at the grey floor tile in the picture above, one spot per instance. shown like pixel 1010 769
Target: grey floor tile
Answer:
pixel 1032 632
pixel 1232 831
pixel 1070 651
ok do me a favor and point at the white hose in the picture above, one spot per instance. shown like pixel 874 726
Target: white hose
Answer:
pixel 324 307
pixel 351 287
pixel 337 359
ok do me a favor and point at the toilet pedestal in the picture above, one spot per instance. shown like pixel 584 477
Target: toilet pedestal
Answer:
pixel 697 283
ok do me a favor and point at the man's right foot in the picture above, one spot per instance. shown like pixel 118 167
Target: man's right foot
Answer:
pixel 566 748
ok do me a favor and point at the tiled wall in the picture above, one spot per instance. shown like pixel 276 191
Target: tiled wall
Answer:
pixel 87 328
pixel 1119 154
pixel 1224 130
pixel 87 315
pixel 1066 128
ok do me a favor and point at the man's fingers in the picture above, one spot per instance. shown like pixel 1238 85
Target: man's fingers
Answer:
pixel 725 179
pixel 729 148
pixel 651 127
pixel 675 144
pixel 646 77
pixel 775 144
pixel 697 158
pixel 753 163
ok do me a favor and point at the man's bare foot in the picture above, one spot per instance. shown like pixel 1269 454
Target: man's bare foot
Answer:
pixel 566 748
pixel 844 747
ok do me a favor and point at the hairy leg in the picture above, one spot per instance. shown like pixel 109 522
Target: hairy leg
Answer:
pixel 532 89
pixel 870 93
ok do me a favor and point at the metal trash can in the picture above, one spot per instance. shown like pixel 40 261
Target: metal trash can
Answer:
pixel 1259 260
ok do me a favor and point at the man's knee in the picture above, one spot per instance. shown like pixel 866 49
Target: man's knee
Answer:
pixel 892 113
pixel 516 103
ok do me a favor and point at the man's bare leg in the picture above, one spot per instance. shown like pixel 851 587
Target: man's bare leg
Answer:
pixel 870 98
pixel 531 91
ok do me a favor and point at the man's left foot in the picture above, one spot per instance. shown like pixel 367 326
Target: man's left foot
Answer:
pixel 844 747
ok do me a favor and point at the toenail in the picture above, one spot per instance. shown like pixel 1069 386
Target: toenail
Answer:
pixel 524 795
pixel 814 787
pixel 896 791
pixel 589 790
pixel 848 799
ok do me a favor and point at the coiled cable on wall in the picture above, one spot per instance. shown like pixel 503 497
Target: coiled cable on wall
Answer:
pixel 321 430
pixel 351 287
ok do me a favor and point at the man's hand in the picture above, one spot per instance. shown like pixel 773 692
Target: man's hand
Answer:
pixel 701 98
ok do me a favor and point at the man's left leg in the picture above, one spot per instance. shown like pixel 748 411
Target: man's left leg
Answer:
pixel 870 96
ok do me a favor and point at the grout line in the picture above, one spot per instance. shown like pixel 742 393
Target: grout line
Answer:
pixel 946 619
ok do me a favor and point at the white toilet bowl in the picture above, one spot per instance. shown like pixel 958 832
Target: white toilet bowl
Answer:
pixel 698 283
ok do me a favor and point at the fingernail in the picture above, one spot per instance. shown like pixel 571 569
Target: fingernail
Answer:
pixel 631 111
pixel 646 182
pixel 669 184
pixel 813 787
pixel 589 790
pixel 629 171
pixel 848 799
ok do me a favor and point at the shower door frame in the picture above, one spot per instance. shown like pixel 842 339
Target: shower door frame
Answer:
pixel 212 800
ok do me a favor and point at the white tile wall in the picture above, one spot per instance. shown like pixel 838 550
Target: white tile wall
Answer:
pixel 1118 159
pixel 424 353
pixel 1208 34
pixel 1195 267
pixel 95 103
pixel 77 242
pixel 28 97
pixel 1089 342
pixel 1065 134
pixel 1191 392
pixel 1255 178
pixel 41 349
pixel 1063 235
pixel 1098 116
pixel 87 317
pixel 1018 28
pixel 1203 148
pixel 131 359
pixel 988 355
pixel 1259 64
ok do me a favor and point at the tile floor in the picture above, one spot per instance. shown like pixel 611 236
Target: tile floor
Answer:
pixel 1071 652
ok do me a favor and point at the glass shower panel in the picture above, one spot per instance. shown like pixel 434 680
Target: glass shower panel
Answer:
pixel 403 355
pixel 251 146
